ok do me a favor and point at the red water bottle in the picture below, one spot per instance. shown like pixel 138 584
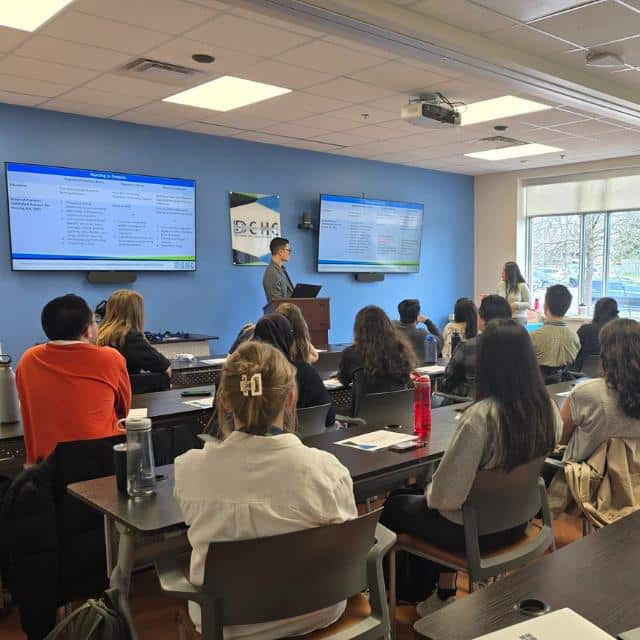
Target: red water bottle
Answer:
pixel 422 407
pixel 536 305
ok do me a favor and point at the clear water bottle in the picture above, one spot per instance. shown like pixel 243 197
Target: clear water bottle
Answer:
pixel 9 408
pixel 430 350
pixel 140 468
pixel 422 407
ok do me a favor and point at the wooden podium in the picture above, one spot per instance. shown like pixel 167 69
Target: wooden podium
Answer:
pixel 316 313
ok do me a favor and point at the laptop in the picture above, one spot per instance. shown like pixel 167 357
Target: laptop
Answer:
pixel 306 291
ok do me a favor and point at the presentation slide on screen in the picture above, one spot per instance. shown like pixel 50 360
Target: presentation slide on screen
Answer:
pixel 363 235
pixel 76 219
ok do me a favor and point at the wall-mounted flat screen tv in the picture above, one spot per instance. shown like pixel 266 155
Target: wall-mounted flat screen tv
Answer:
pixel 64 219
pixel 363 235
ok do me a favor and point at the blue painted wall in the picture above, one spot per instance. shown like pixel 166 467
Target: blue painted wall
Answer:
pixel 218 298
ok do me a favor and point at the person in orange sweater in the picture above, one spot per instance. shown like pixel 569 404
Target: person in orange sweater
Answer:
pixel 70 389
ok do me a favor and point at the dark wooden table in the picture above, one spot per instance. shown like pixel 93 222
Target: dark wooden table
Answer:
pixel 597 576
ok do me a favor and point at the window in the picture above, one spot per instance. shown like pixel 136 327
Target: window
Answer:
pixel 593 254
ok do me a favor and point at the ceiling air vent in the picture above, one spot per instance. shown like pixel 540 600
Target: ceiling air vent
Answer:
pixel 158 71
pixel 501 142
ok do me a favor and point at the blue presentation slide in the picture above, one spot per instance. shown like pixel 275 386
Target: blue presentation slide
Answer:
pixel 84 220
pixel 364 235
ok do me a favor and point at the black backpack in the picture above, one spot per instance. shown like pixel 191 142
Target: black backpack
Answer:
pixel 95 620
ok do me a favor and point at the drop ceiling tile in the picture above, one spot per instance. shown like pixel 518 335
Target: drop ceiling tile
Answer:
pixel 542 135
pixel 593 24
pixel 126 86
pixel 261 137
pixel 287 25
pixel 246 36
pixel 209 129
pixel 529 10
pixel 376 132
pixel 237 120
pixel 100 32
pixel 531 40
pixel 8 97
pixel 169 16
pixel 330 58
pixel 588 128
pixel 328 123
pixel 392 104
pixel 349 90
pixel 364 115
pixel 463 14
pixel 147 115
pixel 180 50
pixel 71 53
pixel 84 95
pixel 356 45
pixel 284 75
pixel 213 4
pixel 303 101
pixel 400 76
pixel 31 87
pixel 274 111
pixel 41 70
pixel 81 108
pixel 551 118
pixel 294 130
pixel 342 138
pixel 310 145
pixel 11 38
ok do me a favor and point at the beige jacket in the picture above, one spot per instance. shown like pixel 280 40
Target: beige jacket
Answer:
pixel 605 488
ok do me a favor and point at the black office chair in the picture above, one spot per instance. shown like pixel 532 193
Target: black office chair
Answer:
pixel 390 407
pixel 592 367
pixel 312 420
pixel 148 382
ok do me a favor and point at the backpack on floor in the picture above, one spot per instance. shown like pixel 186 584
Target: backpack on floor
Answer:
pixel 95 620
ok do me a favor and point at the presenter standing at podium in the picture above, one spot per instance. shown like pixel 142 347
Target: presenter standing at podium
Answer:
pixel 276 281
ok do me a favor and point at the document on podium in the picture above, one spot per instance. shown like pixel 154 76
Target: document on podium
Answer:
pixel 558 625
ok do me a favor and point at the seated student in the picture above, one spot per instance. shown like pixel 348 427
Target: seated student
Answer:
pixel 465 322
pixel 260 481
pixel 512 421
pixel 123 329
pixel 70 389
pixel 607 407
pixel 555 345
pixel 380 356
pixel 245 334
pixel 460 375
pixel 409 311
pixel 605 309
pixel 302 350
pixel 276 330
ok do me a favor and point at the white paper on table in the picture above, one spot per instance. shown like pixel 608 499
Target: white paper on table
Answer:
pixel 137 413
pixel 332 383
pixel 558 625
pixel 201 403
pixel 376 440
pixel 432 369
pixel 214 361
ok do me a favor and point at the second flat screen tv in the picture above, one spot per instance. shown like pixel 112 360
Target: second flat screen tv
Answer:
pixel 64 219
pixel 361 235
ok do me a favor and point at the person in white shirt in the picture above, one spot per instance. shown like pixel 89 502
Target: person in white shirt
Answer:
pixel 513 288
pixel 260 480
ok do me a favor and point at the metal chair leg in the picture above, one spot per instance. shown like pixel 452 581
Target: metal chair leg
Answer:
pixel 392 594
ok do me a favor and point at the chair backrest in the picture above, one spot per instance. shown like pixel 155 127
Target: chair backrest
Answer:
pixel 312 420
pixel 148 382
pixel 265 579
pixel 390 407
pixel 592 367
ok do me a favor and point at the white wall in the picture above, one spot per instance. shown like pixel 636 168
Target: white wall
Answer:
pixel 499 221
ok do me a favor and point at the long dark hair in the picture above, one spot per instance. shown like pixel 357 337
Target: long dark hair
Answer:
pixel 465 311
pixel 620 354
pixel 275 330
pixel 385 352
pixel 606 309
pixel 512 277
pixel 508 373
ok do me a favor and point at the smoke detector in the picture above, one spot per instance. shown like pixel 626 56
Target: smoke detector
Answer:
pixel 604 60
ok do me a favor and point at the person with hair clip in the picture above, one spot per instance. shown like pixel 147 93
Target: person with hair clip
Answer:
pixel 607 407
pixel 512 421
pixel 379 351
pixel 276 330
pixel 123 329
pixel 606 309
pixel 261 480
pixel 301 350
pixel 513 288
pixel 465 324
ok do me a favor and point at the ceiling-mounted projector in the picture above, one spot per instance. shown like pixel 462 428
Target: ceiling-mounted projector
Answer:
pixel 430 114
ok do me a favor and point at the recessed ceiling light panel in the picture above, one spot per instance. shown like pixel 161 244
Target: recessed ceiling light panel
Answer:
pixel 28 15
pixel 507 153
pixel 498 108
pixel 226 93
